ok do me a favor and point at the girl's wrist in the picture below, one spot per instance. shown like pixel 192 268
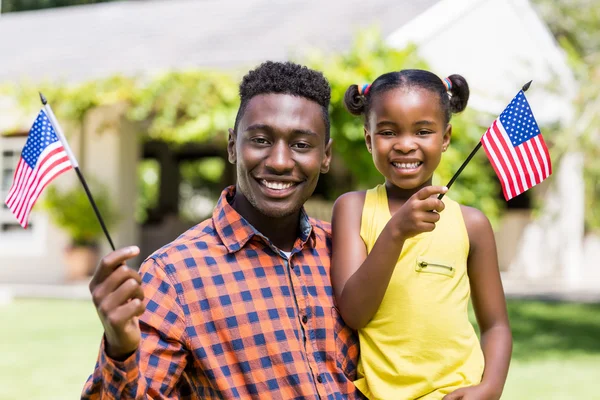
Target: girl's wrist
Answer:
pixel 394 232
pixel 493 390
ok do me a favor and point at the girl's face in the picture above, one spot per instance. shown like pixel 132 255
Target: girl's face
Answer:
pixel 407 134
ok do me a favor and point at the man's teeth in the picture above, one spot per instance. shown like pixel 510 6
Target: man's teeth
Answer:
pixel 407 165
pixel 277 185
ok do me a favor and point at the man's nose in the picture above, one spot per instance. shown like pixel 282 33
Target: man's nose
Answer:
pixel 280 158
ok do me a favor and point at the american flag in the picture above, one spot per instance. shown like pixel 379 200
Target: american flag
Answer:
pixel 516 148
pixel 43 158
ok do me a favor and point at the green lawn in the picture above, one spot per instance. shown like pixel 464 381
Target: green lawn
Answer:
pixel 48 348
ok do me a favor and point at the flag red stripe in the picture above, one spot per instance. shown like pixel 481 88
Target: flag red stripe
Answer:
pixel 16 181
pixel 503 160
pixel 25 188
pixel 41 173
pixel 509 158
pixel 524 166
pixel 27 173
pixel 539 156
pixel 542 143
pixel 25 221
pixel 536 165
pixel 498 164
pixel 39 176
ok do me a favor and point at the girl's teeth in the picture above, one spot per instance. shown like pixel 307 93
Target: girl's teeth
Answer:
pixel 277 185
pixel 407 165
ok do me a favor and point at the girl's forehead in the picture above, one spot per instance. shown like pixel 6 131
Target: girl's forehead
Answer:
pixel 406 102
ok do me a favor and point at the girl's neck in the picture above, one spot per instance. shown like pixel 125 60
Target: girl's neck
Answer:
pixel 398 194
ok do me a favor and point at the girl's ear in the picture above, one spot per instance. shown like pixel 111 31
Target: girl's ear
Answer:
pixel 446 138
pixel 367 139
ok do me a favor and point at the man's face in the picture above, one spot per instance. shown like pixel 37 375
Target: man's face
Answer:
pixel 279 150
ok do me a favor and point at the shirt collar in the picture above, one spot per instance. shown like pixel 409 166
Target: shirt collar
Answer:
pixel 235 231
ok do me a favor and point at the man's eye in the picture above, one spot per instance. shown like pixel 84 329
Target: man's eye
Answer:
pixel 301 145
pixel 260 141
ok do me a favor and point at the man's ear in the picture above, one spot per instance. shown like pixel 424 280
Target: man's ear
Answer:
pixel 231 151
pixel 447 136
pixel 327 159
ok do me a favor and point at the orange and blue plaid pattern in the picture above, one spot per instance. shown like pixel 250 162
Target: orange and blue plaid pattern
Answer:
pixel 229 316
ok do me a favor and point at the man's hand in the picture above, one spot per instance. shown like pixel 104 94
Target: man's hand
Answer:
pixel 119 301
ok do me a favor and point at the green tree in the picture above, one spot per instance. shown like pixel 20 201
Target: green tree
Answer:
pixel 575 26
pixel 199 106
pixel 366 60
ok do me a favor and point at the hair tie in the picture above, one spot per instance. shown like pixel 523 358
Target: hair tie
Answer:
pixel 448 84
pixel 364 89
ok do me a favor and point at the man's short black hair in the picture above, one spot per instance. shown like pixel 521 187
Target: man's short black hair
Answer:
pixel 287 78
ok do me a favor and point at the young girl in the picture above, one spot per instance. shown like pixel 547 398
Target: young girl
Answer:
pixel 405 263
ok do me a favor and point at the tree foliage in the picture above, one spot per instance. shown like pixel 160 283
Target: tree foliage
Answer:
pixel 199 106
pixel 575 25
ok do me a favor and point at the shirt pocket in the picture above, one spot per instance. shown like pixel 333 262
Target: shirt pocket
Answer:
pixel 346 345
pixel 427 265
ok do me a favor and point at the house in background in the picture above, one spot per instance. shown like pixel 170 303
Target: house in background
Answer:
pixel 498 45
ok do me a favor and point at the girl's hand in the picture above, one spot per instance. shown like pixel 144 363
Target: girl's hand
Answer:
pixel 477 392
pixel 419 214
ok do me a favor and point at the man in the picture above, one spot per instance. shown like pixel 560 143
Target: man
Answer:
pixel 239 306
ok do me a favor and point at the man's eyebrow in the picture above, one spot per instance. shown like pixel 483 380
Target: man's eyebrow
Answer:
pixel 259 127
pixel 307 132
pixel 269 129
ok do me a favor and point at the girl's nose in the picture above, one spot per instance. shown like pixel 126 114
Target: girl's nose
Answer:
pixel 405 144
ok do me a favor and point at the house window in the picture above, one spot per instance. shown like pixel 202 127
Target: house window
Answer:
pixel 9 162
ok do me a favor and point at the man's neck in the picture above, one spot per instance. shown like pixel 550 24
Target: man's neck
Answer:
pixel 281 231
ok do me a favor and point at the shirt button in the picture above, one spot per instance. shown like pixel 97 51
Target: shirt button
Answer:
pixel 319 379
pixel 304 319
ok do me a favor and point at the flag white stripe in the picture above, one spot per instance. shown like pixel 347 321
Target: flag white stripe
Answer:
pixel 506 160
pixel 53 173
pixel 527 165
pixel 536 161
pixel 542 153
pixel 513 154
pixel 28 182
pixel 22 185
pixel 40 176
pixel 497 163
pixel 18 177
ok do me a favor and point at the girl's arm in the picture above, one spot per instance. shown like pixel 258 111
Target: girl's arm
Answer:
pixel 359 280
pixel 489 305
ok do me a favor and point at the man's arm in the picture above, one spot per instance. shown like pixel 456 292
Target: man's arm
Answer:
pixel 154 366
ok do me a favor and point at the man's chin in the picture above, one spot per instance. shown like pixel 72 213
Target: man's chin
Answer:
pixel 278 211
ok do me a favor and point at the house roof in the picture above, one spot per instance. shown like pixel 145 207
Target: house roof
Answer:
pixel 82 42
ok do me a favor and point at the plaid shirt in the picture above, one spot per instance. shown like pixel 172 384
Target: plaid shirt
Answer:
pixel 229 316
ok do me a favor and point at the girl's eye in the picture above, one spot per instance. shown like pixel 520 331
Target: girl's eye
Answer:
pixel 423 133
pixel 387 133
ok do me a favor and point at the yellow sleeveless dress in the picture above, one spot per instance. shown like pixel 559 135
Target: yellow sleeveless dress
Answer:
pixel 420 343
